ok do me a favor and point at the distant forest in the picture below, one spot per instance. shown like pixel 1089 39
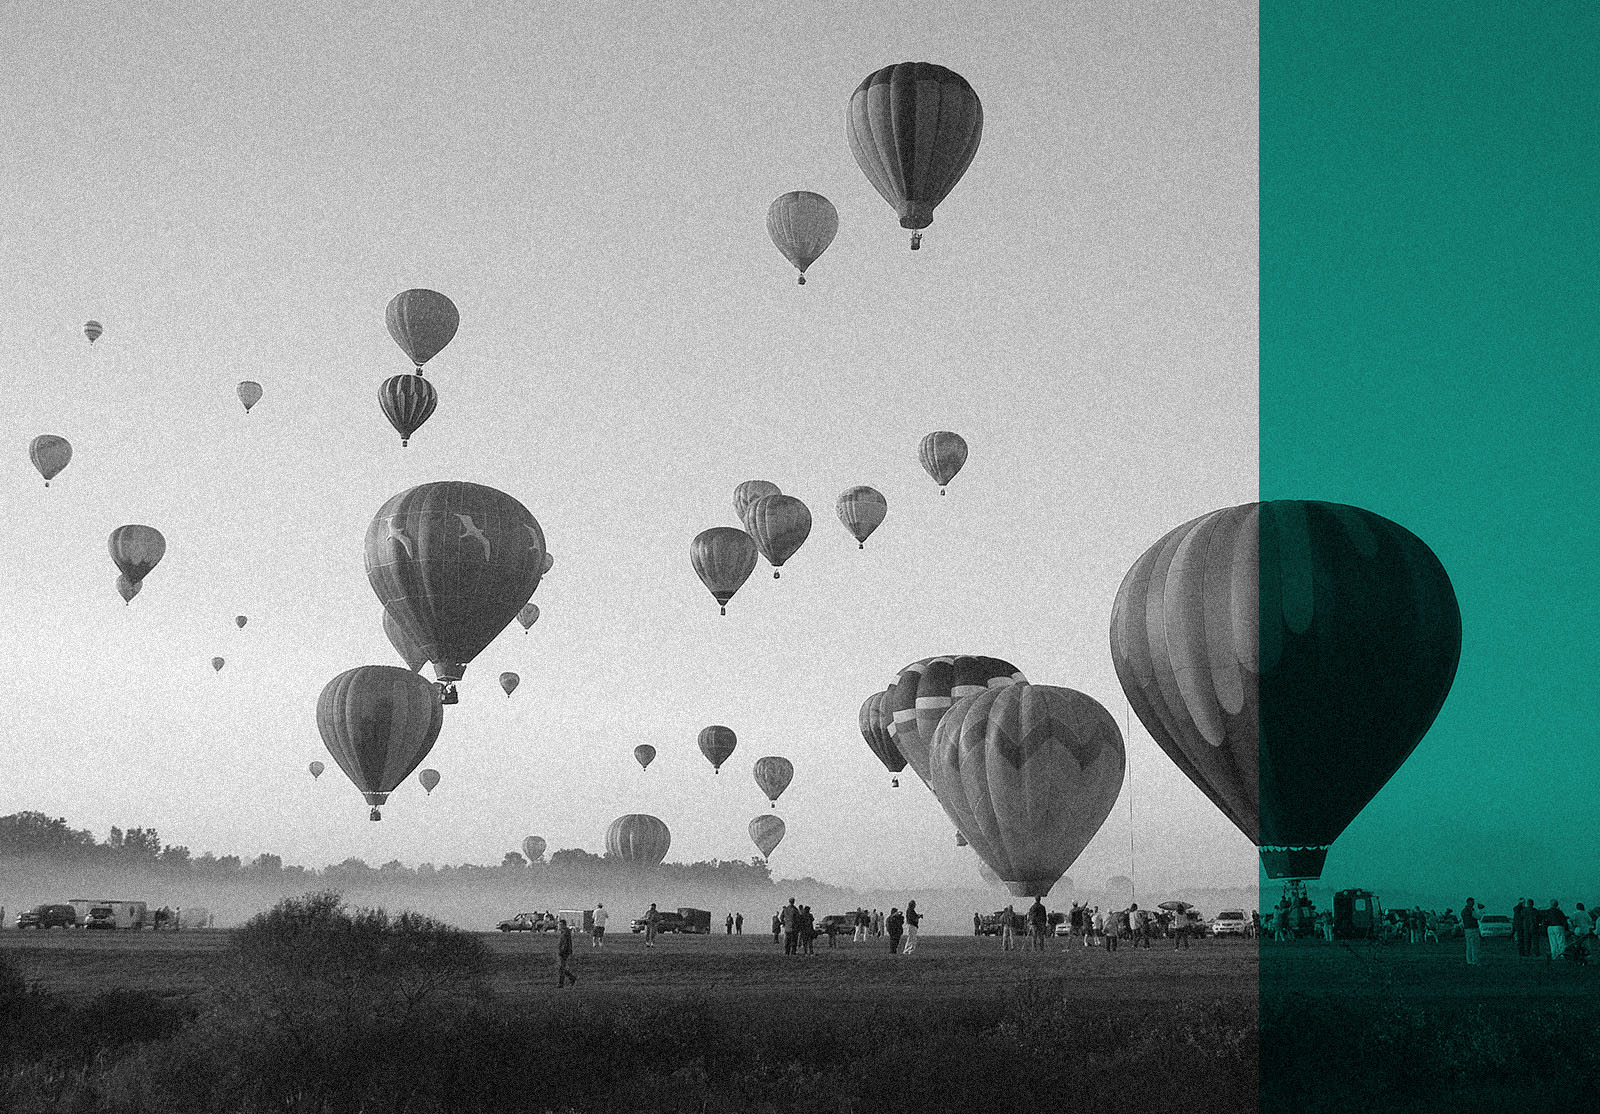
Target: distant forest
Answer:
pixel 35 836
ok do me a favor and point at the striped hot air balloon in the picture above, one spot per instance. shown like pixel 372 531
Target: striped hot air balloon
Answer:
pixel 50 454
pixel 773 775
pixel 717 743
pixel 723 558
pixel 638 838
pixel 779 524
pixel 92 330
pixel 925 690
pixel 913 129
pixel 766 832
pixel 379 722
pixel 421 322
pixel 407 401
pixel 802 225
pixel 942 454
pixel 862 510
pixel 875 720
pixel 748 492
pixel 316 769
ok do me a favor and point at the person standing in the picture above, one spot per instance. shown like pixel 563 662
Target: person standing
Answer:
pixel 738 924
pixel 597 935
pixel 777 926
pixel 1037 920
pixel 728 926
pixel 896 924
pixel 1470 929
pixel 564 955
pixel 1556 928
pixel 652 919
pixel 789 919
pixel 1008 928
pixel 808 930
pixel 913 920
pixel 1093 925
pixel 1519 928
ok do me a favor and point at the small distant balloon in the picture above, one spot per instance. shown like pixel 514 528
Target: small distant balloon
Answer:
pixel 316 770
pixel 429 779
pixel 802 224
pixel 773 775
pixel 50 454
pixel 549 563
pixel 645 754
pixel 239 621
pixel 862 510
pixel 509 682
pixel 92 330
pixel 217 664
pixel 533 848
pixel 528 616
pixel 942 454
pixel 421 322
pixel 249 394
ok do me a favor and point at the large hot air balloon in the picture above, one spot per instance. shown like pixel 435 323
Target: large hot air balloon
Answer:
pixel 767 832
pixel 404 643
pixel 127 589
pixel 1028 773
pixel 802 224
pixel 717 743
pixel 779 524
pixel 217 664
pixel 92 330
pixel 924 691
pixel 723 558
pixel 1288 656
pixel 429 780
pixel 239 621
pixel 249 394
pixel 50 454
pixel 136 550
pixel 748 492
pixel 421 322
pixel 986 872
pixel 533 848
pixel 316 770
pixel 379 722
pixel 528 616
pixel 773 775
pixel 942 454
pixel 453 563
pixel 861 509
pixel 875 721
pixel 509 682
pixel 638 838
pixel 644 754
pixel 407 401
pixel 913 129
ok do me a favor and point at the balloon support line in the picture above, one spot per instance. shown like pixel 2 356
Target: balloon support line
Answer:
pixel 1127 735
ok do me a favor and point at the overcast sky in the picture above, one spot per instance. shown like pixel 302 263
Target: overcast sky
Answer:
pixel 236 192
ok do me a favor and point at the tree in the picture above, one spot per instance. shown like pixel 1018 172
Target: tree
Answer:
pixel 267 863
pixel 513 861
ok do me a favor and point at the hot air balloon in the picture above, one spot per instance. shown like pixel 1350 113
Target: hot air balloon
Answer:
pixel 1028 773
pixel 136 550
pixel 779 524
pixel 509 681
pixel 644 754
pixel 802 225
pixel 249 394
pixel 127 589
pixel 92 330
pixel 316 770
pixel 421 322
pixel 404 643
pixel 239 621
pixel 50 454
pixel 549 563
pixel 638 838
pixel 533 848
pixel 767 832
pixel 942 454
pixel 717 743
pixel 217 664
pixel 429 780
pixel 1288 656
pixel 723 558
pixel 861 509
pixel 875 721
pixel 986 872
pixel 924 691
pixel 407 401
pixel 913 129
pixel 378 722
pixel 748 492
pixel 528 616
pixel 773 775
pixel 453 563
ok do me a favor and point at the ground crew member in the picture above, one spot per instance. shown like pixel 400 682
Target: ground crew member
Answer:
pixel 563 954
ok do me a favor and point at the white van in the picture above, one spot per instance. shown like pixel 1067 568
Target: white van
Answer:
pixel 115 914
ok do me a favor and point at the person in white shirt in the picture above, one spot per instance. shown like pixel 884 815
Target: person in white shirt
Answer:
pixel 597 938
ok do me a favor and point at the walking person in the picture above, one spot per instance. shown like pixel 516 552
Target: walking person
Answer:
pixel 1470 929
pixel 597 935
pixel 1037 921
pixel 564 955
pixel 896 924
pixel 651 920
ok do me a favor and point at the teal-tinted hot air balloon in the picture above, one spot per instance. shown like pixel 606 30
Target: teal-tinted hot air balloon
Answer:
pixel 924 690
pixel 862 510
pixel 421 322
pixel 723 558
pixel 779 524
pixel 453 563
pixel 773 775
pixel 802 225
pixel 942 454
pixel 717 743
pixel 767 832
pixel 378 722
pixel 913 129
pixel 1288 656
pixel 638 838
pixel 50 454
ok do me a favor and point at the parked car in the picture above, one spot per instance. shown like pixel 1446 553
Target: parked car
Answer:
pixel 1494 924
pixel 48 916
pixel 842 924
pixel 666 921
pixel 528 922
pixel 1231 922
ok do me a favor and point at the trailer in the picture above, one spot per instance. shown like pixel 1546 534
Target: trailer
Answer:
pixel 695 921
pixel 110 913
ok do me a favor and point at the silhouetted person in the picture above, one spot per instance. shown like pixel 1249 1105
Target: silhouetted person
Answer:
pixel 729 930
pixel 738 924
pixel 913 920
pixel 1470 929
pixel 789 917
pixel 896 924
pixel 651 920
pixel 1037 920
pixel 563 955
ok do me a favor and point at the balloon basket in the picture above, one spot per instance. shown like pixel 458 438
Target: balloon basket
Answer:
pixel 374 815
pixel 775 574
pixel 802 280
pixel 916 241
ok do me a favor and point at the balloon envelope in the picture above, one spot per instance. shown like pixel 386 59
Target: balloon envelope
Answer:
pixel 1028 773
pixel 379 722
pixel 779 524
pixel 429 780
pixel 802 225
pixel 453 563
pixel 925 690
pixel 217 664
pixel 1288 656
pixel 404 643
pixel 942 454
pixel 127 589
pixel 644 754
pixel 862 510
pixel 767 832
pixel 529 615
pixel 421 322
pixel 638 838
pixel 533 848
pixel 773 775
pixel 316 770
pixel 239 621
pixel 723 558
pixel 748 492
pixel 135 550
pixel 717 743
pixel 50 454
pixel 875 721
pixel 249 394
pixel 92 330
pixel 913 129
pixel 509 682
pixel 407 401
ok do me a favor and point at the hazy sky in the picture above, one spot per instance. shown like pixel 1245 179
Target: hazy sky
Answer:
pixel 236 192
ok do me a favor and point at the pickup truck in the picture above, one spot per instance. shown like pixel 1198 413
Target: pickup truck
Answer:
pixel 48 916
pixel 666 921
pixel 528 922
